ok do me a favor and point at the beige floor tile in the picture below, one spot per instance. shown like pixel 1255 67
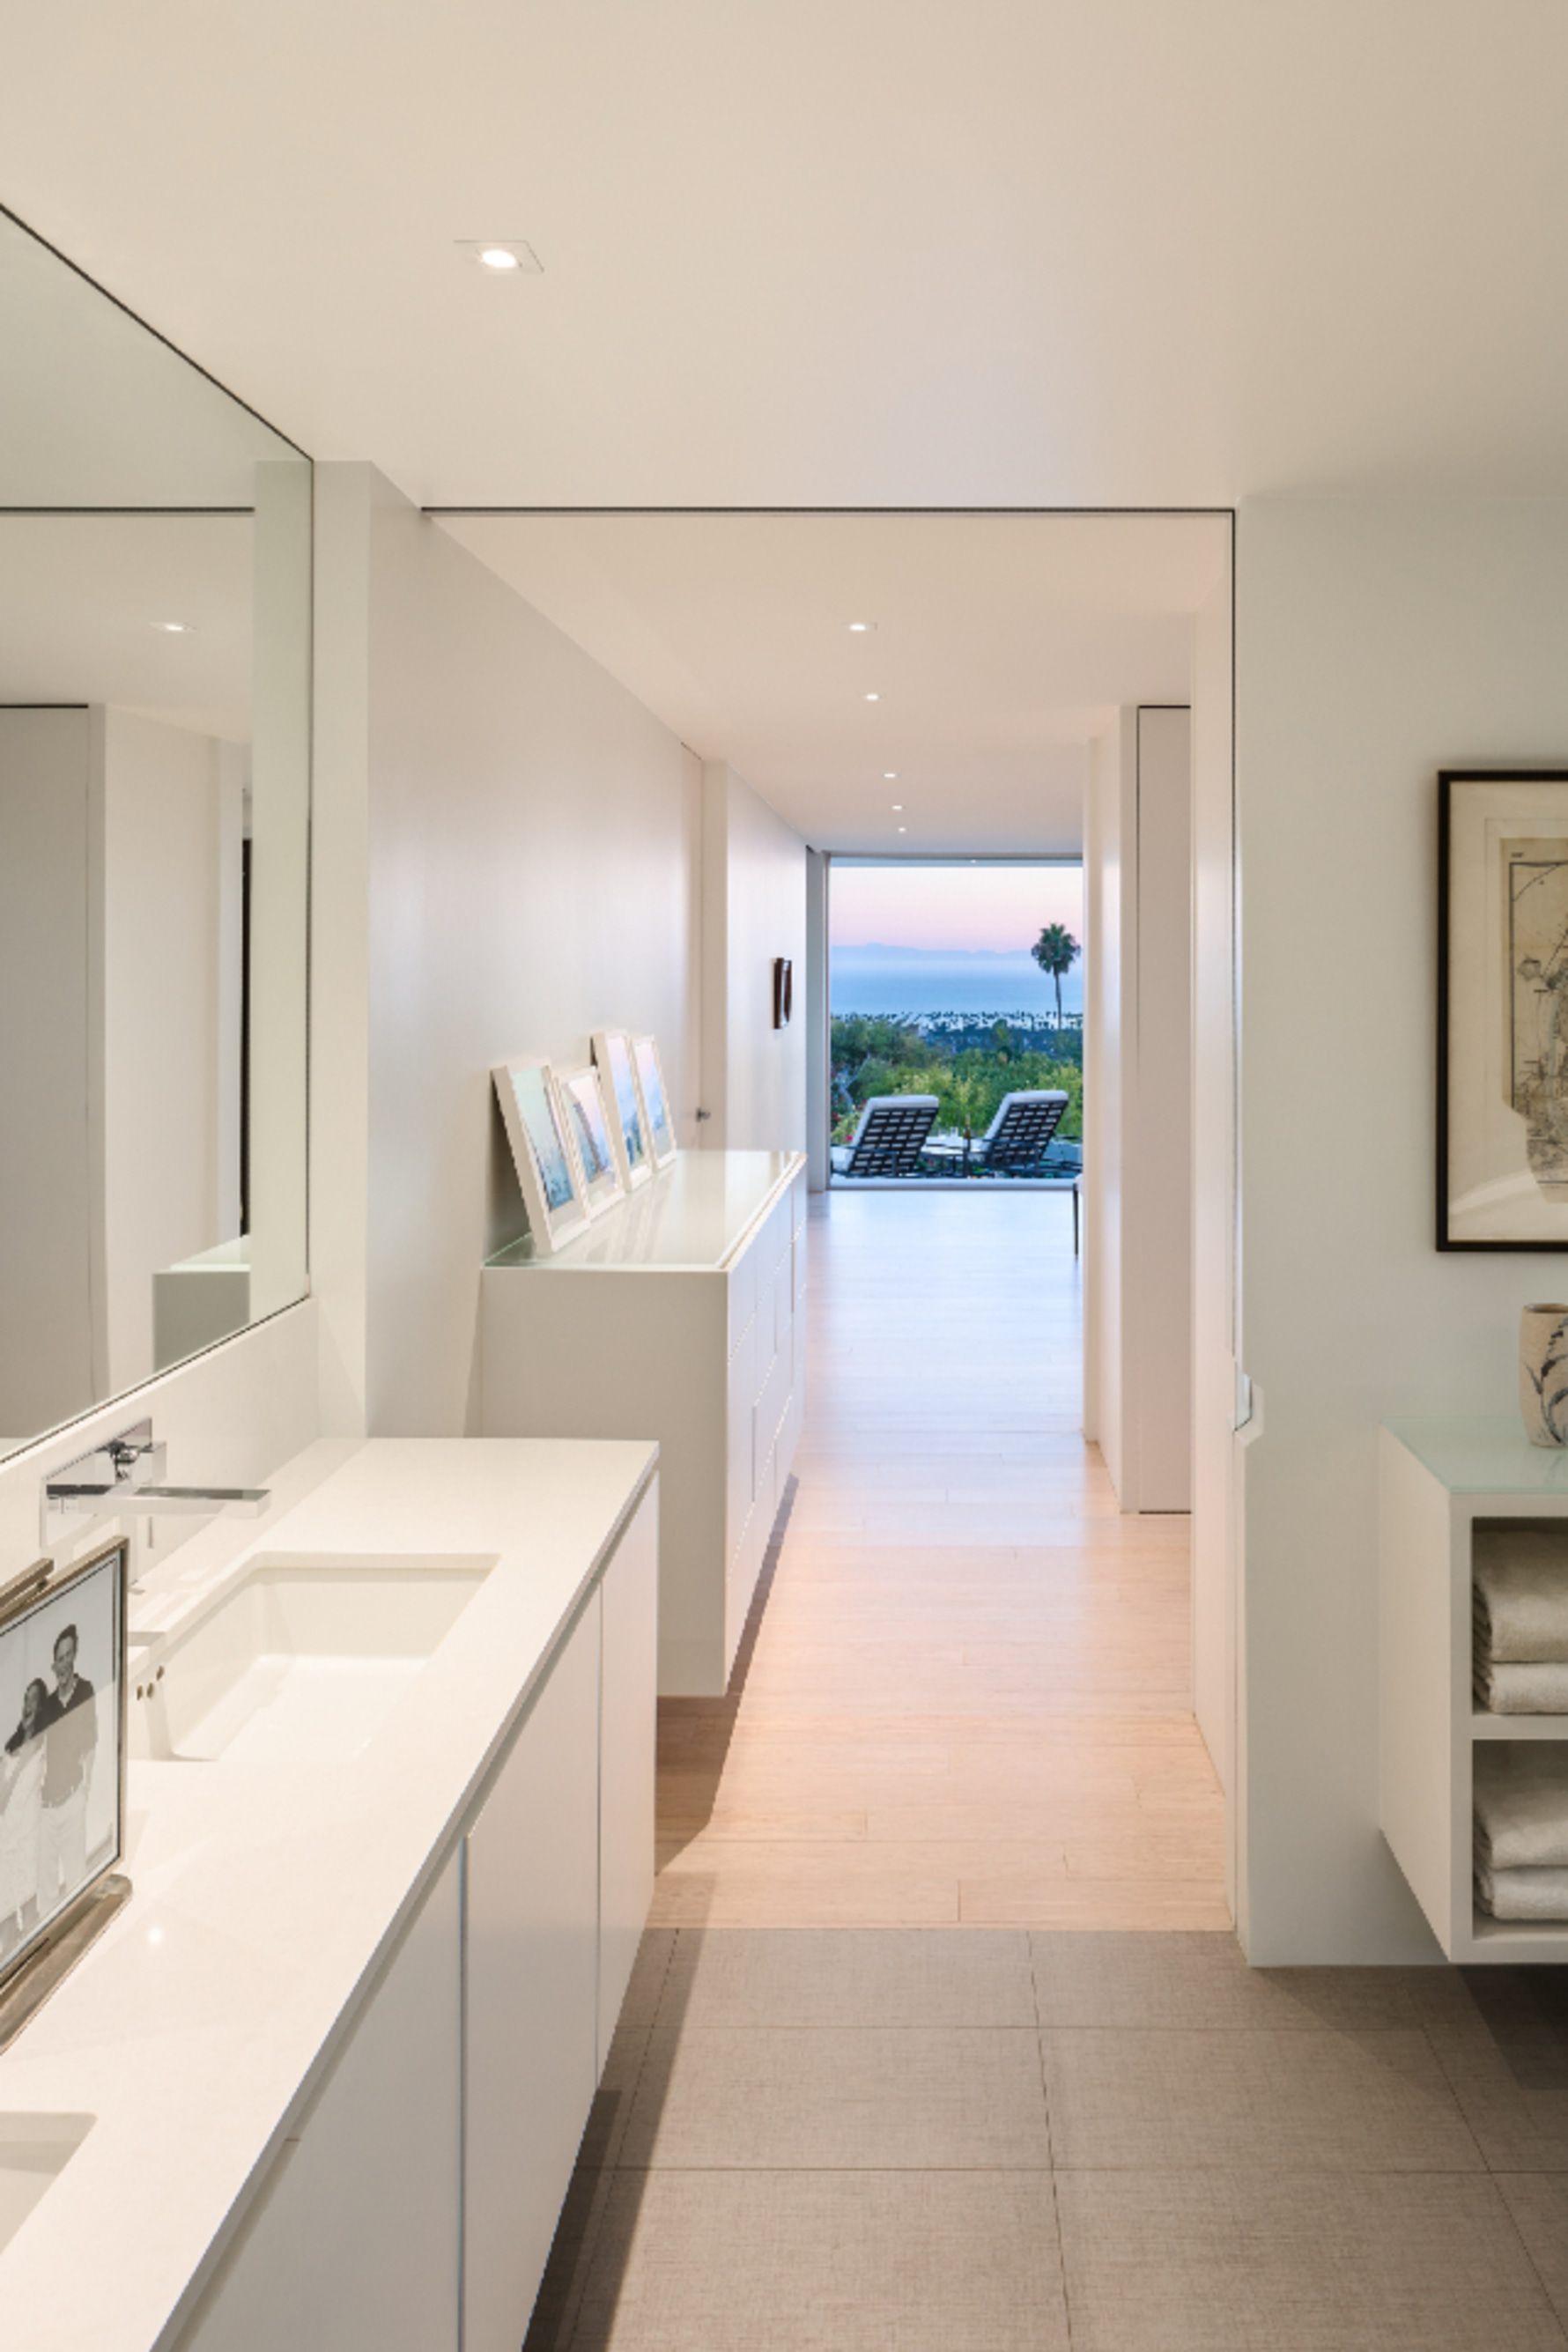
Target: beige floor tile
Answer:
pixel 1203 1982
pixel 1504 2048
pixel 811 2262
pixel 890 1978
pixel 654 1954
pixel 1296 2262
pixel 1171 2100
pixel 818 2100
pixel 1539 2204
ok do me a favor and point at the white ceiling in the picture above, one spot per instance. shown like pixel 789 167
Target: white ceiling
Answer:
pixel 80 598
pixel 95 411
pixel 842 251
pixel 999 645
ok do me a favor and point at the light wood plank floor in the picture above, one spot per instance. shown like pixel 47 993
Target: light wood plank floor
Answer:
pixel 963 1698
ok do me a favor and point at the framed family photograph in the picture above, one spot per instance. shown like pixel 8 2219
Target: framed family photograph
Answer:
pixel 588 1124
pixel 541 1152
pixel 62 1748
pixel 1503 1017
pixel 657 1122
pixel 628 1135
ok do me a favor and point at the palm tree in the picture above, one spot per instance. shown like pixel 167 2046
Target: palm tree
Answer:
pixel 1056 951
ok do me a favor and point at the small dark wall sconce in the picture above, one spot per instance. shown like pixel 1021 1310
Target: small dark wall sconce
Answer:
pixel 783 991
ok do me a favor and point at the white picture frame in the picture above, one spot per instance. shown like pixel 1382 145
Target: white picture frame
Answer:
pixel 612 1053
pixel 658 1119
pixel 541 1152
pixel 588 1127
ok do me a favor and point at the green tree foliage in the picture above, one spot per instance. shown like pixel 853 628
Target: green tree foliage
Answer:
pixel 882 1056
pixel 1055 952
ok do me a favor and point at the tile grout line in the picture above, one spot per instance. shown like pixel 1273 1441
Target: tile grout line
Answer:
pixel 1051 2137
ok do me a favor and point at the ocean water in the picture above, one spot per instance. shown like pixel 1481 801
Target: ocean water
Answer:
pixel 915 980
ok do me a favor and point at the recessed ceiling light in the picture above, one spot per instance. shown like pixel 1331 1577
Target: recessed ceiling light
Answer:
pixel 859 628
pixel 889 775
pixel 505 256
pixel 173 628
pixel 898 808
pixel 873 698
pixel 904 828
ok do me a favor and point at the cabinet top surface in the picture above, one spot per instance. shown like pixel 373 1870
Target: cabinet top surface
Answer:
pixel 1484 1456
pixel 265 1894
pixel 693 1216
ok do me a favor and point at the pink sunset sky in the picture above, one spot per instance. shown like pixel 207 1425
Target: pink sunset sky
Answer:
pixel 998 907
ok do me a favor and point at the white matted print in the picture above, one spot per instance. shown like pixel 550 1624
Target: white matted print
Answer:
pixel 546 1166
pixel 62 1747
pixel 657 1119
pixel 1502 1145
pixel 587 1122
pixel 613 1052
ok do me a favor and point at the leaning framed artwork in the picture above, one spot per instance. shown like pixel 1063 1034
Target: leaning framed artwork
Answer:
pixel 628 1136
pixel 541 1152
pixel 582 1100
pixel 1502 1009
pixel 656 1120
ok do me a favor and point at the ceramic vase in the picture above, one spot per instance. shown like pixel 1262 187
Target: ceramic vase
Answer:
pixel 1543 1374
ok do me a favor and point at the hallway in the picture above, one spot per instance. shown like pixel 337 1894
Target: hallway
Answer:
pixel 897 2072
pixel 964 1698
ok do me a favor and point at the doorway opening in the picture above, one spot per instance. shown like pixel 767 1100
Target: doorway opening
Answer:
pixel 955 1000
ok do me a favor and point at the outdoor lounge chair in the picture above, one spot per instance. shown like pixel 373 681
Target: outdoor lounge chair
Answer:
pixel 888 1137
pixel 1018 1136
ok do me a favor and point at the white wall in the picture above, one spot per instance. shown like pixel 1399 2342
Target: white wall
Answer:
pixel 1375 643
pixel 507 859
pixel 1216 1453
pixel 753 909
pixel 1137 1077
pixel 171 814
pixel 48 1180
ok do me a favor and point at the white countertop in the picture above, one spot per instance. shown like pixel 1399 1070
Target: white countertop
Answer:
pixel 1484 1455
pixel 693 1216
pixel 194 2032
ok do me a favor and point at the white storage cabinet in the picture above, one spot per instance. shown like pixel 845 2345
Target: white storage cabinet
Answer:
pixel 1437 1481
pixel 678 1316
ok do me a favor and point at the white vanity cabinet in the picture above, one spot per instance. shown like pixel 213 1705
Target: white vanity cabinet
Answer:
pixel 677 1316
pixel 358 2216
pixel 530 1970
pixel 414 2206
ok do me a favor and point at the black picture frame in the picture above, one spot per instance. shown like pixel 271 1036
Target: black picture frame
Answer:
pixel 1450 1103
pixel 783 991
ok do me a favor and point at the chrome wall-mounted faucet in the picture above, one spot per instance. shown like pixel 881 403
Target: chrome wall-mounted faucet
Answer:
pixel 125 1475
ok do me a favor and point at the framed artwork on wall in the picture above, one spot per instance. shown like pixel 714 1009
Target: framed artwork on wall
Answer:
pixel 657 1123
pixel 1502 1009
pixel 541 1152
pixel 783 991
pixel 629 1136
pixel 588 1124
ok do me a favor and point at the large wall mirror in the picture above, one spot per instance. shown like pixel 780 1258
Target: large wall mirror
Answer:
pixel 155 808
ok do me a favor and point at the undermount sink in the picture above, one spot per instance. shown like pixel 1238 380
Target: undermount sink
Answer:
pixel 301 1661
pixel 34 2152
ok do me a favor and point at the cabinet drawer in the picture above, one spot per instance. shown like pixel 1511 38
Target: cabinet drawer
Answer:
pixel 739 1440
pixel 531 1993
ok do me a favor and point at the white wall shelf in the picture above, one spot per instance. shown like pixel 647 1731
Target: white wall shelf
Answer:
pixel 1437 1481
pixel 677 1317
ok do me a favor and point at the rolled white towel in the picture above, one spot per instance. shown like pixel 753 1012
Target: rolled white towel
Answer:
pixel 1522 1594
pixel 1521 1805
pixel 1523 1894
pixel 1539 1689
